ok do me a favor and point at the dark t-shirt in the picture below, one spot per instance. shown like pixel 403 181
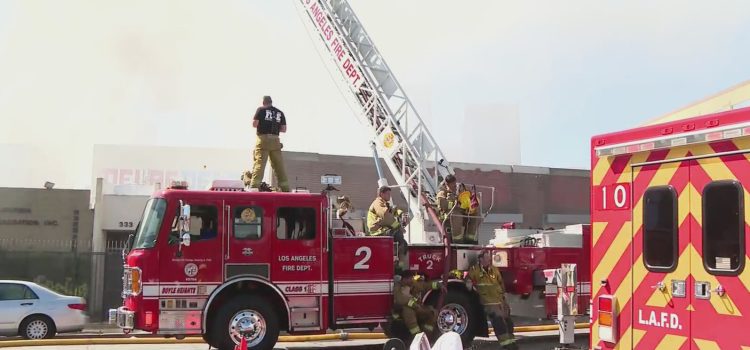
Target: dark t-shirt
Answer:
pixel 270 119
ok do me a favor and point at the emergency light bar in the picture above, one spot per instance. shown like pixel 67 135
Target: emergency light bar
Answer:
pixel 178 185
pixel 227 185
pixel 688 138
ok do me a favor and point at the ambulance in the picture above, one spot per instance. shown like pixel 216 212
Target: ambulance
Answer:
pixel 669 218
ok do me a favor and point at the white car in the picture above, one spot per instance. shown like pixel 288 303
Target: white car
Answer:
pixel 34 312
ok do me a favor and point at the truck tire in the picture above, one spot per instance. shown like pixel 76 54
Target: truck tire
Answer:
pixel 458 314
pixel 251 312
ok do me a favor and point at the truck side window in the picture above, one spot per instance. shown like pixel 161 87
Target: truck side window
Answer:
pixel 248 222
pixel 295 223
pixel 204 223
pixel 660 231
pixel 723 228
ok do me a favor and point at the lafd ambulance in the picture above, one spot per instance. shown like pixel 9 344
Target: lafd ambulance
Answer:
pixel 669 217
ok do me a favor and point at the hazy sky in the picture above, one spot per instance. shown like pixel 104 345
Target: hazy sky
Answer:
pixel 190 73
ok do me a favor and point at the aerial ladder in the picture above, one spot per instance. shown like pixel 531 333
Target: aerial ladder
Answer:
pixel 401 136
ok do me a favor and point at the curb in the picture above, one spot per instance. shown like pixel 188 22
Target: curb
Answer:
pixel 155 339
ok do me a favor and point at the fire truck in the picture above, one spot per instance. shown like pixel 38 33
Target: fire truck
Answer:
pixel 227 263
pixel 669 216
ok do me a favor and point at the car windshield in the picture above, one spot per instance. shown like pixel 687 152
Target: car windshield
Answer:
pixel 148 230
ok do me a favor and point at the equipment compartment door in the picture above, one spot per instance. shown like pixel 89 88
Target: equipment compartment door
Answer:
pixel 661 258
pixel 298 259
pixel 362 279
pixel 719 301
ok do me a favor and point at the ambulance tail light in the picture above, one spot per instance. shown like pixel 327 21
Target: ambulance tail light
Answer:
pixel 607 317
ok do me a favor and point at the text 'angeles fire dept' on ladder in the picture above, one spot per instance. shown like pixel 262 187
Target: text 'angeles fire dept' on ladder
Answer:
pixel 400 136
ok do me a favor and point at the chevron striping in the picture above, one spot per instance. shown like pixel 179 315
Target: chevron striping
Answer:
pixel 630 172
pixel 602 166
pixel 614 252
pixel 671 341
pixel 706 344
pixel 596 231
pixel 637 336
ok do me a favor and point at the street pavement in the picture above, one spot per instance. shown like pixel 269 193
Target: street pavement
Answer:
pixel 528 340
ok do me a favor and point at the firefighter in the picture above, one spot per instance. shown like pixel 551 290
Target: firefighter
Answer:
pixel 408 293
pixel 269 121
pixel 382 219
pixel 469 204
pixel 463 226
pixel 488 282
pixel 447 200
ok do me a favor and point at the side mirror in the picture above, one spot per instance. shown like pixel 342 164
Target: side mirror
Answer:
pixel 185 210
pixel 184 218
pixel 185 239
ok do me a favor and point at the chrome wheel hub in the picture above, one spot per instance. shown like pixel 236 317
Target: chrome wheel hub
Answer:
pixel 249 324
pixel 453 317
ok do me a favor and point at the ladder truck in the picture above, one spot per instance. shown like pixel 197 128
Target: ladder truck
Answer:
pixel 235 266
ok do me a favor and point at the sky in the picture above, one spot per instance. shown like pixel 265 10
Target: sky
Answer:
pixel 190 73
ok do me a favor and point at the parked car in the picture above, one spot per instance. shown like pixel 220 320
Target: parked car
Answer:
pixel 35 312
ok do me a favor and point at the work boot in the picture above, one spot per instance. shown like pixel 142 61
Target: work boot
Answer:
pixel 511 346
pixel 264 187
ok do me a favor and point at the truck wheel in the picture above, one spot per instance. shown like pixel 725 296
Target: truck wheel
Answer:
pixel 251 316
pixel 457 315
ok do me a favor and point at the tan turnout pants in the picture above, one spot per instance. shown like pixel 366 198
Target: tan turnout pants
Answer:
pixel 268 146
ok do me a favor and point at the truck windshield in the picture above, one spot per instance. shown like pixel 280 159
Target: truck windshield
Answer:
pixel 151 220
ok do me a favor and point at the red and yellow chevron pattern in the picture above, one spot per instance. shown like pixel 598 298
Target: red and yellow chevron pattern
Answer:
pixel 617 252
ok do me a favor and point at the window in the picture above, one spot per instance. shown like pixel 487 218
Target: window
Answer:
pixel 660 229
pixel 204 223
pixel 248 222
pixel 723 228
pixel 295 223
pixel 148 228
pixel 12 291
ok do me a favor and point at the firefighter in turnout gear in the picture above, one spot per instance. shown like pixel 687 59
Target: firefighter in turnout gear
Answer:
pixel 382 219
pixel 408 292
pixel 488 282
pixel 463 227
pixel 269 122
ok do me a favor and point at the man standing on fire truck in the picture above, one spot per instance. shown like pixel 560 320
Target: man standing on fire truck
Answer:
pixel 488 282
pixel 382 219
pixel 269 122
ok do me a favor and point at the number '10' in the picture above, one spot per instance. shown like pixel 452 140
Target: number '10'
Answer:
pixel 619 196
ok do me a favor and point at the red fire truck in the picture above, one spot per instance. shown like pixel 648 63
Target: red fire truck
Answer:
pixel 227 264
pixel 669 220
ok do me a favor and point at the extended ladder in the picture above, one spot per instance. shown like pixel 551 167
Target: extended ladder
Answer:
pixel 401 137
